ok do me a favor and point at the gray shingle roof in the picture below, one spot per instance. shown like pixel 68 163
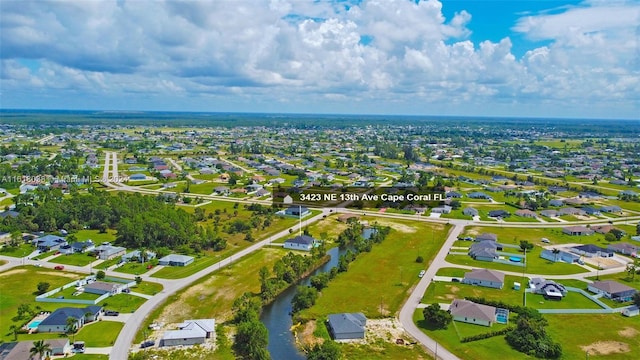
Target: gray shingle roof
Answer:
pixel 347 322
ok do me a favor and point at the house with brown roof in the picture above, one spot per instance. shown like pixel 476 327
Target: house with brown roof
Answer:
pixel 624 248
pixel 577 230
pixel 472 313
pixel 612 290
pixel 526 213
pixel 484 277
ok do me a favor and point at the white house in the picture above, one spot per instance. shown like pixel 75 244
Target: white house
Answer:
pixel 190 332
pixel 472 313
pixel 301 242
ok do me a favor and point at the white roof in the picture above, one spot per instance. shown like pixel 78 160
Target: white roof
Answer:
pixel 184 334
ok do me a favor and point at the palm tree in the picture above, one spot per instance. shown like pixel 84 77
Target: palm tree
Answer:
pixel 39 348
pixel 555 254
pixel 14 330
pixel 72 327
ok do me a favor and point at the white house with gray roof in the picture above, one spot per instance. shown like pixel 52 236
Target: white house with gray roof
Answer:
pixel 484 277
pixel 472 313
pixel 347 326
pixel 190 332
pixel 176 260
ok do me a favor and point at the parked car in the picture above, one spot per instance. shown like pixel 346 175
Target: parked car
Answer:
pixel 422 272
pixel 59 267
pixel 455 280
pixel 545 240
pixel 126 290
pixel 37 265
pixel 111 313
pixel 148 343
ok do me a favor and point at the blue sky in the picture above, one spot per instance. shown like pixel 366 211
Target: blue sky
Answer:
pixel 487 58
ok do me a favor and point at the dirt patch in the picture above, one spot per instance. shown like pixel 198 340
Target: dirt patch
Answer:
pixel 454 289
pixel 305 334
pixel 13 272
pixel 406 229
pixel 385 329
pixel 629 332
pixel 449 297
pixel 60 273
pixel 606 348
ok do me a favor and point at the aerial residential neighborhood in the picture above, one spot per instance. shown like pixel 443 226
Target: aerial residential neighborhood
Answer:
pixel 566 247
pixel 319 180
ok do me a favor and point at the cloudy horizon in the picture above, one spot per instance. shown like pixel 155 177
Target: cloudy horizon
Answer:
pixel 525 59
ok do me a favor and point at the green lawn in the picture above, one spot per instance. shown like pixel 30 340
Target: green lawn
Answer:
pixel 134 268
pixel 485 349
pixel 123 303
pixel 96 236
pixel 179 272
pixel 18 286
pixel 44 255
pixel 213 295
pixel 455 272
pixel 388 271
pixel 571 301
pixel 100 333
pixel 76 259
pixel 19 251
pixel 147 287
pixel 574 331
pixel 89 357
pixel 107 263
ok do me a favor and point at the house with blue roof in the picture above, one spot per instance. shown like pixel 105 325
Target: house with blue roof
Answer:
pixel 49 243
pixel 301 242
pixel 57 320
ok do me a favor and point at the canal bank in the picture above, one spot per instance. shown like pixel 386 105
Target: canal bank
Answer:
pixel 276 316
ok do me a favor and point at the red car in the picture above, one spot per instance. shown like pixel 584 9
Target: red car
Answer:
pixel 59 267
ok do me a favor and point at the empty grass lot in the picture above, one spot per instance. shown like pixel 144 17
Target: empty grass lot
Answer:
pixel 74 259
pixel 123 303
pixel 147 287
pixel 133 268
pixel 19 251
pixel 100 333
pixel 389 271
pixel 96 236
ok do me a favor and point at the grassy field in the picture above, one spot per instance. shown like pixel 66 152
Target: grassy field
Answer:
pixel 19 251
pixel 44 255
pixel 133 268
pixel 123 303
pixel 100 333
pixel 213 296
pixel 147 287
pixel 18 286
pixel 105 264
pixel 96 236
pixel 74 259
pixel 571 301
pixel 388 271
pixel 612 333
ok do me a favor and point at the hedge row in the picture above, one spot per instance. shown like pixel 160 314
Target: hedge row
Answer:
pixel 487 335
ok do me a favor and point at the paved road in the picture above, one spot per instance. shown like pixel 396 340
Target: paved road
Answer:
pixel 409 307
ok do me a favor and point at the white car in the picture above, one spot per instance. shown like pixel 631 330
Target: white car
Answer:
pixel 37 265
pixel 422 272
pixel 546 241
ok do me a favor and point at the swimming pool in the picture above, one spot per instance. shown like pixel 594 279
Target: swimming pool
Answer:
pixel 34 324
